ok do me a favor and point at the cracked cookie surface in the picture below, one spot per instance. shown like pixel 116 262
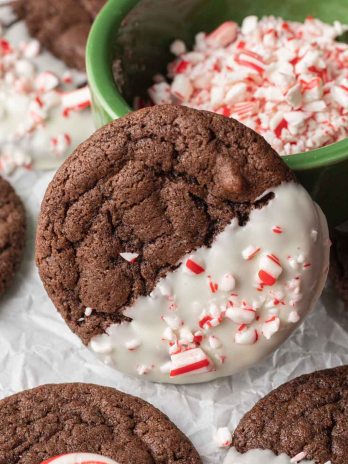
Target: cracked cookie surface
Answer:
pixel 309 413
pixel 57 419
pixel 12 233
pixel 159 183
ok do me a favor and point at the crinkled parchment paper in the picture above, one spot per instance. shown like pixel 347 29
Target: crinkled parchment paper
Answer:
pixel 36 347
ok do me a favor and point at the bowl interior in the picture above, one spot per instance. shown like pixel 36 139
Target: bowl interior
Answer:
pixel 143 40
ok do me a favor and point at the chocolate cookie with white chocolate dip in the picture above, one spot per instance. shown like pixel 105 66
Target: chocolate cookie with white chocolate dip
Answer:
pixel 42 424
pixel 178 245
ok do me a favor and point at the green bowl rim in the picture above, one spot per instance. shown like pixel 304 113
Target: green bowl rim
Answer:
pixel 105 90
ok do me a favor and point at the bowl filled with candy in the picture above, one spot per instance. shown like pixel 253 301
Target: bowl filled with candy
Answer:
pixel 281 68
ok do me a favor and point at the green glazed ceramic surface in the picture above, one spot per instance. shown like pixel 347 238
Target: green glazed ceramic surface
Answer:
pixel 139 32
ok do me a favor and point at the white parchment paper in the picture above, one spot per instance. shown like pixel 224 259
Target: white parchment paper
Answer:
pixel 36 347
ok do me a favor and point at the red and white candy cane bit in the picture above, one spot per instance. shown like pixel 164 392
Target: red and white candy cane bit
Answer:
pixel 251 60
pixel 194 265
pixel 223 437
pixel 76 99
pixel 46 81
pixel 277 230
pixel 79 458
pixel 250 252
pixel 198 337
pixel 246 336
pixel 299 457
pixel 181 87
pixel 181 66
pixel 193 361
pixel 214 287
pixel 244 109
pixel 270 269
pixel 5 47
pixel 270 327
pixel 283 124
pixel 223 35
pixel 130 257
pixel 241 315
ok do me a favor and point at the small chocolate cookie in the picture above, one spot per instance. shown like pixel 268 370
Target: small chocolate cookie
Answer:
pixel 339 263
pixel 309 414
pixel 12 233
pixel 159 183
pixel 61 26
pixel 56 419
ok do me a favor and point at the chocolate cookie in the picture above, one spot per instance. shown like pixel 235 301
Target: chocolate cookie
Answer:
pixel 12 233
pixel 50 420
pixel 127 233
pixel 61 26
pixel 339 263
pixel 308 414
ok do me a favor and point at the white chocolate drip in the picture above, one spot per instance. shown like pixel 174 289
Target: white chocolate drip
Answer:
pixel 225 309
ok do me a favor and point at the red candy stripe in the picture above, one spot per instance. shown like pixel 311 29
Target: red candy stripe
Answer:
pixel 189 368
pixel 194 267
pixel 266 278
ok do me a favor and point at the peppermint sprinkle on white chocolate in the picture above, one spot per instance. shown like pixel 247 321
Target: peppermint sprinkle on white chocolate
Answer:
pixel 227 306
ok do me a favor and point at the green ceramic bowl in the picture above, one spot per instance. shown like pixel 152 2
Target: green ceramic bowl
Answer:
pixel 139 32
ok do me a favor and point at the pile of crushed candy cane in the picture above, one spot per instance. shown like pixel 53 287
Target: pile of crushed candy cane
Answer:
pixel 286 80
pixel 36 98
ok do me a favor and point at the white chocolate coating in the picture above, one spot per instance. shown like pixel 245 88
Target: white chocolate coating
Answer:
pixel 23 143
pixel 258 456
pixel 222 315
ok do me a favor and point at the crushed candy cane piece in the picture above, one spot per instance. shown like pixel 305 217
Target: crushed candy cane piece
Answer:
pixel 223 35
pixel 130 257
pixel 250 252
pixel 298 457
pixel 193 361
pixel 270 269
pixel 46 81
pixel 246 336
pixel 223 437
pixel 270 327
pixel 76 99
pixel 88 311
pixel 241 315
pixel 194 265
